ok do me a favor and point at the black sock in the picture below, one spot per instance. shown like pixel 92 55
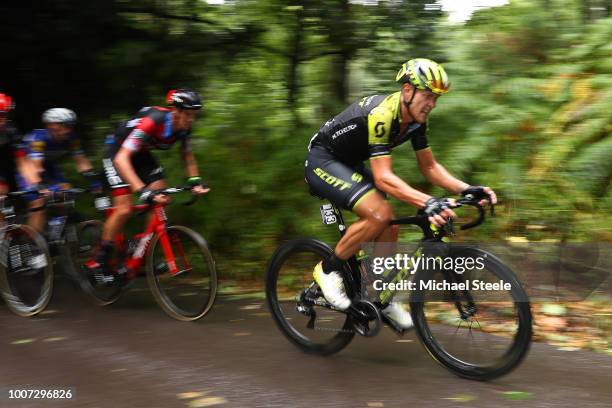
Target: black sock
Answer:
pixel 332 263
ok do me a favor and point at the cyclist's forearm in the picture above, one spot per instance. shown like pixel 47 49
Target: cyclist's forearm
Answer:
pixel 440 177
pixel 36 170
pixel 191 166
pixel 26 168
pixel 126 171
pixel 398 188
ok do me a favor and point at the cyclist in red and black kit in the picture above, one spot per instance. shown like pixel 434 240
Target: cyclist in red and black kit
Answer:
pixel 130 167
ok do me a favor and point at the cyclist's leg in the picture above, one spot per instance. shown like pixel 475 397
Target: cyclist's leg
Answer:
pixel 151 173
pixel 374 213
pixel 122 208
pixel 387 240
pixel 349 187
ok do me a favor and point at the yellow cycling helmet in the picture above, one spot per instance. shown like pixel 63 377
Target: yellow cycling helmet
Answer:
pixel 424 73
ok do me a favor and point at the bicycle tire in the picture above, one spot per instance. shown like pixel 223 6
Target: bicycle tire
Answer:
pixel 99 295
pixel 14 300
pixel 282 254
pixel 162 297
pixel 521 340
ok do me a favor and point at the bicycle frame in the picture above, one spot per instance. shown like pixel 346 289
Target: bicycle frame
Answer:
pixel 156 225
pixel 430 235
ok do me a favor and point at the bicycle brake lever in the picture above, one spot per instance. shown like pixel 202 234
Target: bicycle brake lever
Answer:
pixel 449 227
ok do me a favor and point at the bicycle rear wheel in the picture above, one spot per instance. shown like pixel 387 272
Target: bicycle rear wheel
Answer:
pixel 189 294
pixel 479 334
pixel 289 286
pixel 26 273
pixel 88 237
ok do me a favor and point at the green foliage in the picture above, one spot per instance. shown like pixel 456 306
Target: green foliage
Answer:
pixel 528 111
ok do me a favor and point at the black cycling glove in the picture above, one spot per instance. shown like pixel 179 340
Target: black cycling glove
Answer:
pixel 475 193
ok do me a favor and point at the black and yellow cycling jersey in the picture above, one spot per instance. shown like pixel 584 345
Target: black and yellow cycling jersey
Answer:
pixel 369 128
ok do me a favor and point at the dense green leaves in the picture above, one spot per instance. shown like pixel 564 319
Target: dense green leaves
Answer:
pixel 528 112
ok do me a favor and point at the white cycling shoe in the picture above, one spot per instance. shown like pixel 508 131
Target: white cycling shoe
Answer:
pixel 332 286
pixel 396 312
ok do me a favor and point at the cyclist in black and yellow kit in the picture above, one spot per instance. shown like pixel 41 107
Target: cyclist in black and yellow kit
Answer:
pixel 370 129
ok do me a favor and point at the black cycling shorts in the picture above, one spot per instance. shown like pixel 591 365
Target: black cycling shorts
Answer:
pixel 146 167
pixel 340 183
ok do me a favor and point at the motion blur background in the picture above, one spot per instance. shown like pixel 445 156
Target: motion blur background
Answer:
pixel 528 112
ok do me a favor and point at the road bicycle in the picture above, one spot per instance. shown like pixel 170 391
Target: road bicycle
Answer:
pixel 26 274
pixel 476 334
pixel 180 268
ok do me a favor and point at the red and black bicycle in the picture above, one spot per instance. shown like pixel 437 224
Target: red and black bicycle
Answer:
pixel 179 266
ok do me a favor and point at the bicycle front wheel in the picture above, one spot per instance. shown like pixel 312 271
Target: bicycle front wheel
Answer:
pixel 26 273
pixel 474 328
pixel 190 293
pixel 291 295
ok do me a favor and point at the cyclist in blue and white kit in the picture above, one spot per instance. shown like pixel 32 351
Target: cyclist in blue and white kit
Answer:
pixel 45 149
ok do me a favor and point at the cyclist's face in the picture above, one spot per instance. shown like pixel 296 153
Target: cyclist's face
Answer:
pixel 183 118
pixel 59 131
pixel 422 104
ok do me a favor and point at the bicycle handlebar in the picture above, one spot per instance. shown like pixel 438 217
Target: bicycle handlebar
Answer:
pixel 422 219
pixel 179 189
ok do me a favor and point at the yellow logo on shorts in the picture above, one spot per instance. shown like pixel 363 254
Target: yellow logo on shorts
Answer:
pixel 356 177
pixel 332 180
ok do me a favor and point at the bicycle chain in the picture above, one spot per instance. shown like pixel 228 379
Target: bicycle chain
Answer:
pixel 334 330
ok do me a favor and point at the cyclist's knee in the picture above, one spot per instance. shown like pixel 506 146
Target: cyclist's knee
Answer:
pixel 379 218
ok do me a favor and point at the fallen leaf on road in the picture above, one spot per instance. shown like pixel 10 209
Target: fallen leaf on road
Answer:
pixel 461 398
pixel 54 339
pixel 206 402
pixel 23 341
pixel 516 395
pixel 376 404
pixel 568 348
pixel 251 307
pixel 190 395
pixel 242 334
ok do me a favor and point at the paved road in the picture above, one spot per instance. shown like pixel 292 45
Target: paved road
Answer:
pixel 132 355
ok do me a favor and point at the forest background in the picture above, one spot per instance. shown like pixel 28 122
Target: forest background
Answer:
pixel 528 113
